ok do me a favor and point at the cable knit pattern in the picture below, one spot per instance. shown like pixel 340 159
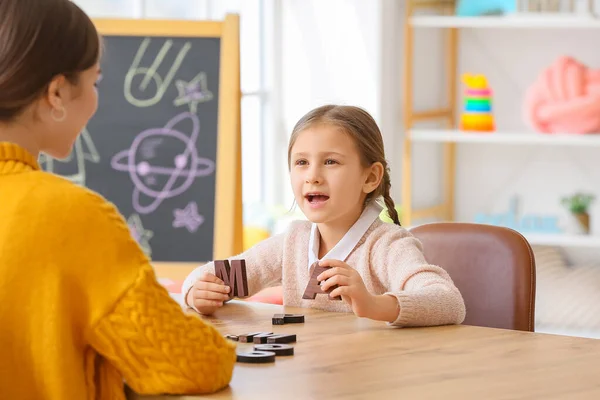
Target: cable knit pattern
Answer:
pixel 156 350
pixel 389 259
pixel 89 312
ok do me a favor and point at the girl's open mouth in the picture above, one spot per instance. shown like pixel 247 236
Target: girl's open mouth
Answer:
pixel 316 198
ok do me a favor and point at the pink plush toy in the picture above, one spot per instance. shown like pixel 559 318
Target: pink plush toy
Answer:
pixel 565 99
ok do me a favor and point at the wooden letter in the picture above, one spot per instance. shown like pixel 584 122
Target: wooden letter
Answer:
pixel 291 338
pixel 249 337
pixel 262 338
pixel 313 288
pixel 293 318
pixel 240 279
pixel 234 276
pixel 278 319
pixel 256 357
pixel 278 349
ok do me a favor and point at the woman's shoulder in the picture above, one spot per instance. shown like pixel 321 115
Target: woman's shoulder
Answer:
pixel 60 197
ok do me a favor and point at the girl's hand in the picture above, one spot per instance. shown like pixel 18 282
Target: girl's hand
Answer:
pixel 350 286
pixel 208 294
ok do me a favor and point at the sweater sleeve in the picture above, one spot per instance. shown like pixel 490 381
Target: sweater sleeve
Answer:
pixel 157 348
pixel 263 266
pixel 425 293
pixel 129 318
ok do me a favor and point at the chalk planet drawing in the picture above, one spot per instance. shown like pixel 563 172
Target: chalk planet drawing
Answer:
pixel 187 165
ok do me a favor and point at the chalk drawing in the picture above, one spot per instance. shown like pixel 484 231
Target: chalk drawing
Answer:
pixel 141 235
pixel 186 167
pixel 188 217
pixel 150 73
pixel 193 92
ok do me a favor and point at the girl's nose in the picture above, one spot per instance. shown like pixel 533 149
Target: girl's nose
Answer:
pixel 313 176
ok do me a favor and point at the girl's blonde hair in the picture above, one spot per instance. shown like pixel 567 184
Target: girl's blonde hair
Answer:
pixel 363 129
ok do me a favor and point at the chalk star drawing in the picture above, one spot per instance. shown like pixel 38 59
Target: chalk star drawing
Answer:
pixel 83 150
pixel 151 74
pixel 187 165
pixel 193 92
pixel 188 217
pixel 141 235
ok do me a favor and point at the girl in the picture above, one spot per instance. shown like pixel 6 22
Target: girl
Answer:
pixel 338 172
pixel 80 307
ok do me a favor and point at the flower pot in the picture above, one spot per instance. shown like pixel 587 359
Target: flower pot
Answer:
pixel 583 222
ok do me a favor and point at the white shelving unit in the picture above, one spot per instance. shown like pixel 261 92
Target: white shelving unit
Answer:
pixel 510 22
pixel 520 138
pixel 449 137
pixel 504 137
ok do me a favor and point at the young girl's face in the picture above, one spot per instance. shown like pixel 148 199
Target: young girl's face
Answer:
pixel 329 181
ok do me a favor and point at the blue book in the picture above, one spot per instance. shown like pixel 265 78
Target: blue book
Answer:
pixel 472 8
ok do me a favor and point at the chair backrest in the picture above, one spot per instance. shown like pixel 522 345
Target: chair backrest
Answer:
pixel 493 267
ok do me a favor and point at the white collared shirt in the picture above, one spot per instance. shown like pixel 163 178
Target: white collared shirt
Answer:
pixel 345 246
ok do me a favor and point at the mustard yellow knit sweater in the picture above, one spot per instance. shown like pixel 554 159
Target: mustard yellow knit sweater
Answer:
pixel 81 312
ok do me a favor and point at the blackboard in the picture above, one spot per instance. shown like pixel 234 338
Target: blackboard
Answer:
pixel 152 148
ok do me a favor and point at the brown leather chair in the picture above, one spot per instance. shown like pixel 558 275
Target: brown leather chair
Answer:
pixel 493 267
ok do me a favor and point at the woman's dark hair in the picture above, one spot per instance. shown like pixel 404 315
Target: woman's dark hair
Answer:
pixel 39 40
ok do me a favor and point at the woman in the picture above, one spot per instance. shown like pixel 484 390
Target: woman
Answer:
pixel 80 308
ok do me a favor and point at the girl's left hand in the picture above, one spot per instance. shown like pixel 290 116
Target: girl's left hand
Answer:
pixel 350 286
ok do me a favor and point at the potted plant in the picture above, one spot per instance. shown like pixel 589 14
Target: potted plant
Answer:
pixel 578 205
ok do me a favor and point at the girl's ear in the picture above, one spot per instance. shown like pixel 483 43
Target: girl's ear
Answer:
pixel 374 175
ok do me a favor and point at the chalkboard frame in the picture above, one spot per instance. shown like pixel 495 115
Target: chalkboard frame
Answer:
pixel 228 229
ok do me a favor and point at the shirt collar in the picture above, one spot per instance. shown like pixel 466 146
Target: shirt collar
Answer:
pixel 345 246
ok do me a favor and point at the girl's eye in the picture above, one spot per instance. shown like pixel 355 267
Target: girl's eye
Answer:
pixel 330 162
pixel 300 162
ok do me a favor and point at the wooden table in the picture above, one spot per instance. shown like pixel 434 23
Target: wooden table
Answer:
pixel 339 356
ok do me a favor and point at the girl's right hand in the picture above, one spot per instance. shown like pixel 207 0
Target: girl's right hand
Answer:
pixel 208 294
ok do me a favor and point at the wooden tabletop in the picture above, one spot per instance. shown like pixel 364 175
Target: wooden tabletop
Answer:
pixel 339 356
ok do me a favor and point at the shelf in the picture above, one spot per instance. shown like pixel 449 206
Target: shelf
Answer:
pixel 505 137
pixel 535 22
pixel 589 241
